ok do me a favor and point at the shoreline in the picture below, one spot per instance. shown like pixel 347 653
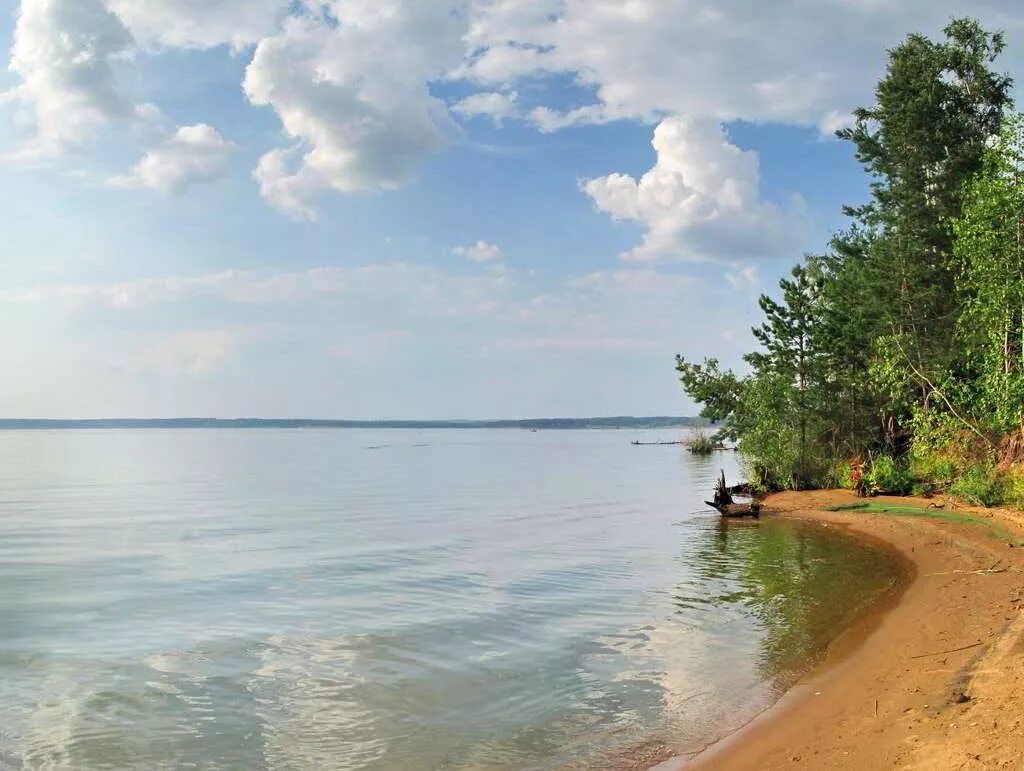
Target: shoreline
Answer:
pixel 927 678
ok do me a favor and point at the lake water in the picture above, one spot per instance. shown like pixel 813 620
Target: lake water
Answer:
pixel 349 599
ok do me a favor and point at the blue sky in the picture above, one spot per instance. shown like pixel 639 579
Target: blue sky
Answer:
pixel 415 208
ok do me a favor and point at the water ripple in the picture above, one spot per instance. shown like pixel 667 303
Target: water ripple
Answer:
pixel 472 599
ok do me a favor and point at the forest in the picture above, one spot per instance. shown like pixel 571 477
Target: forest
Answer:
pixel 900 347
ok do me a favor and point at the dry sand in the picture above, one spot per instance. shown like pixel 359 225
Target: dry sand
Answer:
pixel 933 681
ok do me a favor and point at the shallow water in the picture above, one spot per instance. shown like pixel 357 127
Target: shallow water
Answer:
pixel 273 599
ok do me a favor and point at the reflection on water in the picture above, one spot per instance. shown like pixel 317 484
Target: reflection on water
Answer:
pixel 463 599
pixel 798 581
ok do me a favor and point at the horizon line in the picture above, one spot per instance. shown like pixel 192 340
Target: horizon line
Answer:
pixel 243 422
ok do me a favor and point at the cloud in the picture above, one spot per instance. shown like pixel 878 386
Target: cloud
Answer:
pixel 507 39
pixel 352 92
pixel 66 52
pixel 492 104
pixel 335 341
pixel 200 23
pixel 634 282
pixel 370 347
pixel 481 251
pixel 700 201
pixel 351 80
pixel 584 343
pixel 646 59
pixel 417 290
pixel 747 277
pixel 194 154
pixel 548 120
pixel 194 352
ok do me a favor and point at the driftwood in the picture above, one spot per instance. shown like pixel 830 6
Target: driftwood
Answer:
pixel 727 507
pixel 743 488
pixel 752 509
pixel 645 444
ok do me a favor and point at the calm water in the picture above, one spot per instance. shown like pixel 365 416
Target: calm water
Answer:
pixel 390 600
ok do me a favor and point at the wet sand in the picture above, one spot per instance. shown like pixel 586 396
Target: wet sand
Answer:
pixel 933 680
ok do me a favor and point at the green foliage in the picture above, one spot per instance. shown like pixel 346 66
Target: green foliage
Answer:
pixel 889 475
pixel 937 108
pixel 990 247
pixel 843 474
pixel 1013 487
pixel 702 444
pixel 905 342
pixel 707 384
pixel 931 474
pixel 981 485
pixel 776 434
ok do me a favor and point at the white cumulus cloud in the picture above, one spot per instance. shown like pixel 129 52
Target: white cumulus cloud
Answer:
pixel 65 52
pixel 194 154
pixel 787 61
pixel 352 92
pixel 200 23
pixel 700 201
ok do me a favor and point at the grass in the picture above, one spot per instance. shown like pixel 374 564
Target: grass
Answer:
pixel 702 444
pixel 900 510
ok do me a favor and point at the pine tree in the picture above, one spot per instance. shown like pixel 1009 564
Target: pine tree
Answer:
pixel 937 107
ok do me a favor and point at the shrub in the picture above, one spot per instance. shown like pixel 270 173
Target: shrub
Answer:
pixel 939 473
pixel 702 444
pixel 931 472
pixel 889 475
pixel 1013 490
pixel 981 485
pixel 921 488
pixel 843 475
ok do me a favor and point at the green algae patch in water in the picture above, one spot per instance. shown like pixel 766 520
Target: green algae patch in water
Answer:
pixel 758 608
pixel 801 584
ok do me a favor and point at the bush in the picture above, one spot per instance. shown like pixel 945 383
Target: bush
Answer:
pixel 930 472
pixel 981 485
pixel 934 473
pixel 843 475
pixel 922 487
pixel 1013 486
pixel 889 475
pixel 702 444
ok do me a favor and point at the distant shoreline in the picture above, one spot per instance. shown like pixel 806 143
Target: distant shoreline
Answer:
pixel 22 424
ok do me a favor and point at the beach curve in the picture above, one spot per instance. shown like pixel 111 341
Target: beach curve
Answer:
pixel 929 680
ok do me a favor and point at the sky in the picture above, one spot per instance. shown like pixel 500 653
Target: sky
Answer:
pixel 416 208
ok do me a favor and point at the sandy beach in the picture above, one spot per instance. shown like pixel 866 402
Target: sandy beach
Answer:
pixel 932 680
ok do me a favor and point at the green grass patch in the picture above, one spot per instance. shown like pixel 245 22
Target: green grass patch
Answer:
pixel 702 444
pixel 996 531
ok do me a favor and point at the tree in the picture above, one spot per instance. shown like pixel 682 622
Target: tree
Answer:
pixel 790 352
pixel 719 391
pixel 867 342
pixel 937 107
pixel 990 247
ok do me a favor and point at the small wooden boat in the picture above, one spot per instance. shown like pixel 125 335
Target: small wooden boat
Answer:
pixel 727 507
